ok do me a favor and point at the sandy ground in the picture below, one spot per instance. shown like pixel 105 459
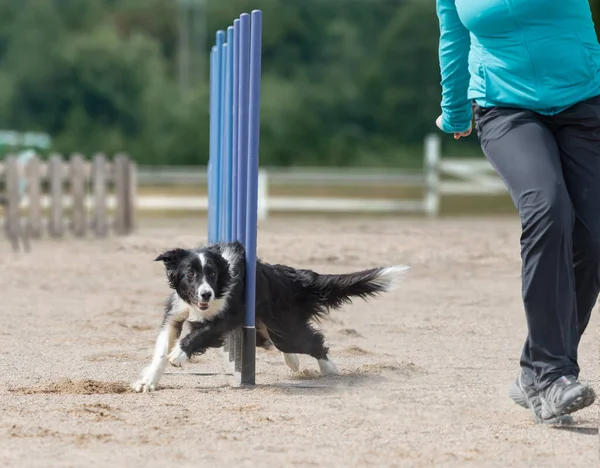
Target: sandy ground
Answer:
pixel 425 368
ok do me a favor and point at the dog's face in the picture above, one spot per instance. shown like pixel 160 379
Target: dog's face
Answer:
pixel 199 277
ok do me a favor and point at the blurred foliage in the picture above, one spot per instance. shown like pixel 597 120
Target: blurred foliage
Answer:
pixel 345 82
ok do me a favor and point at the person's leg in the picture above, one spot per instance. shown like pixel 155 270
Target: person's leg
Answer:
pixel 524 391
pixel 525 154
pixel 587 288
pixel 577 133
pixel 578 138
pixel 587 281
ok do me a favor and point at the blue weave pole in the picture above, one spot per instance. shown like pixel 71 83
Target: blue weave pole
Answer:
pixel 228 138
pixel 243 98
pixel 219 65
pixel 235 74
pixel 234 141
pixel 222 147
pixel 249 333
pixel 213 146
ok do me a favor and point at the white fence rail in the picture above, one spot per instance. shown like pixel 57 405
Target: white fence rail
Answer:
pixel 192 175
pixel 467 177
pixel 439 177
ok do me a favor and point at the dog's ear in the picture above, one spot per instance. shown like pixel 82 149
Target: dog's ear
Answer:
pixel 171 258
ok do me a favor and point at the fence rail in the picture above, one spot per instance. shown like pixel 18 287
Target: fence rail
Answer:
pixel 191 175
pixel 439 177
pixel 58 196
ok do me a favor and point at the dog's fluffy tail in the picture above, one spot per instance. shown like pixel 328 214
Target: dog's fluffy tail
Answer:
pixel 335 290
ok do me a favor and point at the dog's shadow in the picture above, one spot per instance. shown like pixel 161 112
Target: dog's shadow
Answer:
pixel 310 384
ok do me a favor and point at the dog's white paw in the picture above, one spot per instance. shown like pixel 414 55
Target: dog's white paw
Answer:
pixel 177 356
pixel 146 384
pixel 292 361
pixel 328 367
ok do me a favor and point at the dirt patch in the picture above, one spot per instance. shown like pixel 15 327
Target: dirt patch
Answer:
pixel 136 326
pixel 97 412
pixel 17 431
pixel 75 387
pixel 405 369
pixel 306 374
pixel 356 351
pixel 119 357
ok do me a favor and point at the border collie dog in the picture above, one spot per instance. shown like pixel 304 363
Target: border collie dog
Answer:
pixel 208 292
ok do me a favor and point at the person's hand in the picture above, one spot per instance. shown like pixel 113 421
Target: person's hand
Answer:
pixel 457 135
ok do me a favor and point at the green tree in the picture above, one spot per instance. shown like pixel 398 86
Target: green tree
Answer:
pixel 344 82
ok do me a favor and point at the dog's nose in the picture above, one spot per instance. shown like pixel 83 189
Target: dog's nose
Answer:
pixel 205 296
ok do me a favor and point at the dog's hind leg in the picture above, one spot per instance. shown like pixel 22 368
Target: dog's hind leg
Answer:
pixel 290 360
pixel 328 367
pixel 303 339
pixel 152 374
pixel 263 340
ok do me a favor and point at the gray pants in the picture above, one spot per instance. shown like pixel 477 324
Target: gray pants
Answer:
pixel 551 166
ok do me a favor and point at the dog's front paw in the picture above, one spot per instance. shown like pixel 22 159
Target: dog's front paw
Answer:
pixel 146 384
pixel 177 356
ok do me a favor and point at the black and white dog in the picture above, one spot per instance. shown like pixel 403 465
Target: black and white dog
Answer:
pixel 208 293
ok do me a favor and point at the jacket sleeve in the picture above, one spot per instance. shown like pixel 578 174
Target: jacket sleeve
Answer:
pixel 454 46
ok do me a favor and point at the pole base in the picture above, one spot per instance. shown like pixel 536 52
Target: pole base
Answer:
pixel 248 371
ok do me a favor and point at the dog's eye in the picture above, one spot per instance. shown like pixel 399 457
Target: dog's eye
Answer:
pixel 190 274
pixel 212 275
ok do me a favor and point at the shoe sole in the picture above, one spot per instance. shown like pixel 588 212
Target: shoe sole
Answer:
pixel 516 395
pixel 584 400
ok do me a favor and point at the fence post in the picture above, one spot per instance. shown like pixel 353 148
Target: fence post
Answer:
pixel 263 194
pixel 99 182
pixel 55 174
pixel 123 185
pixel 433 151
pixel 118 177
pixel 78 193
pixel 12 201
pixel 131 195
pixel 33 172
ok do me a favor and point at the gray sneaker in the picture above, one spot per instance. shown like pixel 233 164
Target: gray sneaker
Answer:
pixel 564 396
pixel 525 394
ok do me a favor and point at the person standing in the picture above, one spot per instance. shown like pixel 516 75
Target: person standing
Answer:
pixel 528 71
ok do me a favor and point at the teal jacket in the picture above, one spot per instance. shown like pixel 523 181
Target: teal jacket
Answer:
pixel 541 55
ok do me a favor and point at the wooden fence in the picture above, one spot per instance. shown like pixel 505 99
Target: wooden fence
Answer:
pixel 61 196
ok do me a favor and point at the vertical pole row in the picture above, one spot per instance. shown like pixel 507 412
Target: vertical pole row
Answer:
pixel 235 75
